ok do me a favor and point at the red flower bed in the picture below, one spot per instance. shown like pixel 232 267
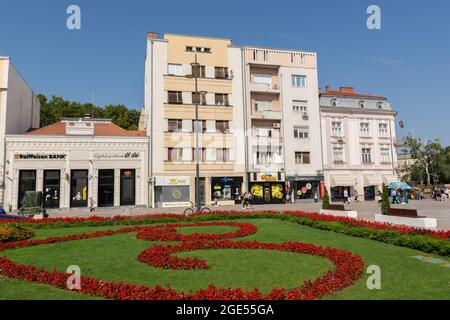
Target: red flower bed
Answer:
pixel 348 267
pixel 443 235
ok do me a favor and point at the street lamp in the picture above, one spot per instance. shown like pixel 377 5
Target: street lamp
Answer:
pixel 196 66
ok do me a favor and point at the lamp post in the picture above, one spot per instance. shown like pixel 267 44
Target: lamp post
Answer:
pixel 196 66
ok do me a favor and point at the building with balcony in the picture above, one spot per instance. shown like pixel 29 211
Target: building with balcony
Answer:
pixel 358 136
pixel 19 112
pixel 282 116
pixel 170 100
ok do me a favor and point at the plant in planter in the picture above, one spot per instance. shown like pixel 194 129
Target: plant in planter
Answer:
pixel 325 200
pixel 385 204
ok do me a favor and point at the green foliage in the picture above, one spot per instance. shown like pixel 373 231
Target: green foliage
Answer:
pixel 385 203
pixel 431 161
pixel 326 199
pixel 14 232
pixel 56 108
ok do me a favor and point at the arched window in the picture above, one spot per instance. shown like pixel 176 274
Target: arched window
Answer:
pixel 334 102
pixel 380 105
pixel 362 104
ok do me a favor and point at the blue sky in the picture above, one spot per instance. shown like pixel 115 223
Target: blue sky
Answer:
pixel 407 60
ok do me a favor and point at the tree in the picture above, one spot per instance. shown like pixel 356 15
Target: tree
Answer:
pixel 432 165
pixel 325 200
pixel 57 108
pixel 385 203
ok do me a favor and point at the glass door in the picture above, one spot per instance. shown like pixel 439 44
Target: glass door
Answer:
pixel 79 188
pixel 127 187
pixel 51 189
pixel 106 188
pixel 27 182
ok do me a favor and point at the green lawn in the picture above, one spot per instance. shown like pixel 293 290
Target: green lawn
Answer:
pixel 114 258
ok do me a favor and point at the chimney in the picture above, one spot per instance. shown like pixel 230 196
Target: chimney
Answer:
pixel 152 35
pixel 347 89
pixel 327 88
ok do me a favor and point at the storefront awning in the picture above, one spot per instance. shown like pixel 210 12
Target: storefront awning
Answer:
pixel 342 181
pixel 371 180
pixel 389 178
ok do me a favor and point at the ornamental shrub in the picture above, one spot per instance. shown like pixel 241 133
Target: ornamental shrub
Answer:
pixel 14 232
pixel 385 204
pixel 325 200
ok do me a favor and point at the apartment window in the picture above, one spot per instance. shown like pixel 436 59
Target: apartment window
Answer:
pixel 262 78
pixel 221 72
pixel 385 155
pixel 302 158
pixel 263 105
pixel 202 124
pixel 364 129
pixel 366 155
pixel 338 154
pixel 175 97
pixel 190 49
pixel 301 132
pixel 334 102
pixel 299 81
pixel 380 105
pixel 383 129
pixel 174 125
pixel 199 98
pixel 336 129
pixel 174 69
pixel 222 126
pixel 175 154
pixel 222 99
pixel 222 155
pixel 202 154
pixel 198 71
pixel 300 106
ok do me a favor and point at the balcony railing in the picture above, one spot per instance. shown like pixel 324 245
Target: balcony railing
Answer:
pixel 269 167
pixel 266 141
pixel 264 87
pixel 268 114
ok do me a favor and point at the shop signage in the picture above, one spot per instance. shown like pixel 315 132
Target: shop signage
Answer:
pixel 40 156
pixel 268 177
pixel 173 181
pixel 116 155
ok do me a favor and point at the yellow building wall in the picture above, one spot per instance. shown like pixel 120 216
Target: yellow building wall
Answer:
pixel 174 83
pixel 177 50
pixel 179 111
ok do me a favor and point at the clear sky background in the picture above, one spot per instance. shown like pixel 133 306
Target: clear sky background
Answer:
pixel 407 61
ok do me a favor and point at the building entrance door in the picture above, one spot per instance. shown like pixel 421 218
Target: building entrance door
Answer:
pixel 52 189
pixel 79 188
pixel 27 182
pixel 105 188
pixel 127 187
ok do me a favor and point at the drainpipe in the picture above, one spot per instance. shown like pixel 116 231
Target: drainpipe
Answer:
pixel 244 106
pixel 150 141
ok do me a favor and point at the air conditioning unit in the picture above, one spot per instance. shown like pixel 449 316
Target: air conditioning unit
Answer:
pixel 276 126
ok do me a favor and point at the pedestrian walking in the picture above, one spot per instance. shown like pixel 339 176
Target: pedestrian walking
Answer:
pixel 91 205
pixel 346 197
pixel 394 196
pixel 355 193
pixel 288 198
pixel 244 200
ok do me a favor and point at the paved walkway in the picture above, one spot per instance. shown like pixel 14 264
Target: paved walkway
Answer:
pixel 366 210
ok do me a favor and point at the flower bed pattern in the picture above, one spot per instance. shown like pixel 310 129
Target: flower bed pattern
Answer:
pixel 348 267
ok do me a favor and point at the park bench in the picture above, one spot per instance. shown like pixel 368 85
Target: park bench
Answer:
pixel 409 213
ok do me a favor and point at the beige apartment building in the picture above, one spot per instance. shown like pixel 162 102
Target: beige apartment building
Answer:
pixel 170 97
pixel 358 135
pixel 19 112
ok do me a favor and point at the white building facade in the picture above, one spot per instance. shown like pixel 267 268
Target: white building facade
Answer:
pixel 19 111
pixel 358 134
pixel 76 162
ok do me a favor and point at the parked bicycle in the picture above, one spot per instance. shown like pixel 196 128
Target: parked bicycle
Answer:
pixel 193 209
